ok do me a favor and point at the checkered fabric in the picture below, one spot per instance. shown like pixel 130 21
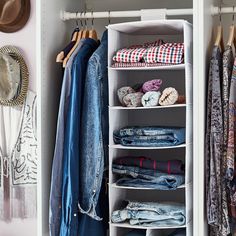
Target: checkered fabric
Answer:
pixel 134 53
pixel 138 64
pixel 172 53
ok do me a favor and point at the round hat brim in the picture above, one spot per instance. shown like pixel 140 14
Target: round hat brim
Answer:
pixel 19 99
pixel 20 20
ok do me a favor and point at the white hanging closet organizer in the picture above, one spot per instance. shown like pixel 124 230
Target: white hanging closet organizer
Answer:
pixel 178 76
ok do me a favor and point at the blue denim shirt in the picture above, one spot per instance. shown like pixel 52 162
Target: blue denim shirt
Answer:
pixel 71 165
pixel 57 166
pixel 94 145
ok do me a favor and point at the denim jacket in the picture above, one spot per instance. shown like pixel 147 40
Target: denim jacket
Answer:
pixel 57 166
pixel 94 145
pixel 71 161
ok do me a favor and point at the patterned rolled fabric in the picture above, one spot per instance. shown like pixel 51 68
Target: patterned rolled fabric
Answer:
pixel 133 99
pixel 122 92
pixel 152 85
pixel 151 99
pixel 168 97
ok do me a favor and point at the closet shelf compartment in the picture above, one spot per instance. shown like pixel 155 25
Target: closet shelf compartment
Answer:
pixel 118 146
pixel 163 67
pixel 147 108
pixel 137 188
pixel 126 225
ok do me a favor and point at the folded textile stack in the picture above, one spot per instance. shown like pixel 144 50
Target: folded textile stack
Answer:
pixel 144 172
pixel 148 95
pixel 178 232
pixel 150 54
pixel 149 136
pixel 151 214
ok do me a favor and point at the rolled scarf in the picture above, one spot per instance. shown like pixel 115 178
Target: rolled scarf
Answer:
pixel 151 99
pixel 152 85
pixel 133 99
pixel 122 92
pixel 169 97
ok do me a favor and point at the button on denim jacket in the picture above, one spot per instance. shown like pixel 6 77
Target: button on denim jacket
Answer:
pixel 94 130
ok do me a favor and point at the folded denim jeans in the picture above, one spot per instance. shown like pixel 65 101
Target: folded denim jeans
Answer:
pixel 150 136
pixel 170 166
pixel 136 233
pixel 178 232
pixel 151 214
pixel 139 177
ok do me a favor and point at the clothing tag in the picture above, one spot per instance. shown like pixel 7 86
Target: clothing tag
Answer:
pixel 153 14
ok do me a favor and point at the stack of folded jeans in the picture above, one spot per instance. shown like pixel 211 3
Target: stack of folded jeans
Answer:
pixel 149 136
pixel 178 232
pixel 150 214
pixel 147 173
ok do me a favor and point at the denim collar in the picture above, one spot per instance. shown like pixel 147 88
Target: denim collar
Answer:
pixel 104 39
pixel 91 42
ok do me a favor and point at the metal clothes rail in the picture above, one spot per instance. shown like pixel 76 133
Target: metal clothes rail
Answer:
pixel 131 14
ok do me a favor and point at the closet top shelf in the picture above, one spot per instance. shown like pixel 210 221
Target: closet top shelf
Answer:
pixel 154 27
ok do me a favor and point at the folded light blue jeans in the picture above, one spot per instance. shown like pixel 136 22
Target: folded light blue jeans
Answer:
pixel 151 214
pixel 149 136
pixel 139 177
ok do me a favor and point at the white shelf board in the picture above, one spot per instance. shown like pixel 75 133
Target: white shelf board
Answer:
pixel 119 146
pixel 127 225
pixel 139 188
pixel 153 27
pixel 146 108
pixel 167 67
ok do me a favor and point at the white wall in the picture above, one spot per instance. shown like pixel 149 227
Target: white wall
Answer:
pixel 25 39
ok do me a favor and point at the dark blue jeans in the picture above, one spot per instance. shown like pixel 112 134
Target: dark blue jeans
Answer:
pixel 139 177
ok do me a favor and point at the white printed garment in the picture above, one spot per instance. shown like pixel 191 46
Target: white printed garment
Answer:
pixel 18 160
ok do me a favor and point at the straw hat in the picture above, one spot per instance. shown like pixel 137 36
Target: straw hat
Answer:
pixel 14 77
pixel 14 14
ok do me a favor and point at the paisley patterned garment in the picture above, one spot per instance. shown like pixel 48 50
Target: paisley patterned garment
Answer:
pixel 18 161
pixel 217 209
pixel 228 62
pixel 231 150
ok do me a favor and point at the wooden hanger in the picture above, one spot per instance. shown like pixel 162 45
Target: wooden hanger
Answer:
pixel 85 34
pixel 79 36
pixel 232 34
pixel 93 32
pixel 219 42
pixel 60 56
pixel 232 39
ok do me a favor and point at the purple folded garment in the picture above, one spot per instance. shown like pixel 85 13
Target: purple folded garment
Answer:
pixel 152 85
pixel 133 99
pixel 170 167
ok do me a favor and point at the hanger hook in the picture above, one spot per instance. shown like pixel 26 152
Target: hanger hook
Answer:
pixel 85 21
pixel 220 17
pixel 109 17
pixel 92 20
pixel 81 22
pixel 233 14
pixel 76 19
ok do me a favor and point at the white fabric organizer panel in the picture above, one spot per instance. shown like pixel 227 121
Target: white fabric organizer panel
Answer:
pixel 179 76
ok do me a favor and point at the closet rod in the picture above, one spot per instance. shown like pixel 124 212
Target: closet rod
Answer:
pixel 129 14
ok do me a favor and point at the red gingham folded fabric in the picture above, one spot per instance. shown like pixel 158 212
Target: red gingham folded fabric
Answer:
pixel 172 53
pixel 134 53
pixel 130 55
pixel 138 64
